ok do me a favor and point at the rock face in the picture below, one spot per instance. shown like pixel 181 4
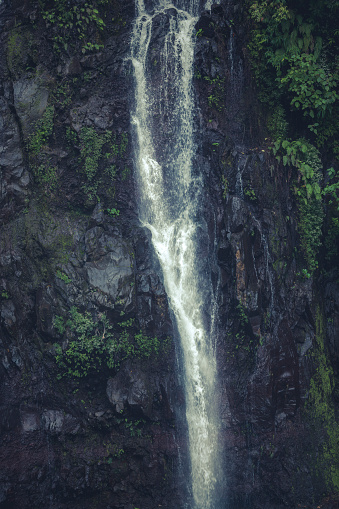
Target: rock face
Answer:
pixel 75 265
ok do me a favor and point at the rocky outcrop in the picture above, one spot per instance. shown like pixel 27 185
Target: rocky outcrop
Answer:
pixel 70 239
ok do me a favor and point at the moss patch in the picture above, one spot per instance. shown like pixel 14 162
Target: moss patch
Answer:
pixel 21 52
pixel 320 408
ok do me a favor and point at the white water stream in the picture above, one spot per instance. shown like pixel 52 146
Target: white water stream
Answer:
pixel 170 198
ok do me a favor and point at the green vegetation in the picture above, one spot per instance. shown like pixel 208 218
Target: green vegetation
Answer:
pixel 71 137
pixel 293 49
pixel 91 144
pixel 250 193
pixel 14 50
pixel 216 99
pixel 304 274
pixel 241 314
pixel 94 147
pixel 92 153
pixel 92 343
pixel 62 94
pixel 63 276
pixel 74 23
pixel 133 428
pixel 42 131
pixel 312 87
pixel 45 174
pixel 21 51
pixel 89 46
pixel 59 324
pixel 307 187
pixel 330 193
pixel 277 124
pixel 320 409
pixel 225 184
pixel 46 177
pixel 125 172
pixel 113 212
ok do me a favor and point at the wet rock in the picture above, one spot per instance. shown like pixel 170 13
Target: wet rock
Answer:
pixel 237 214
pixel 10 148
pixel 30 102
pixel 29 421
pixel 96 112
pixel 64 440
pixel 15 355
pixel 13 177
pixel 8 313
pixel 46 308
pixel 113 272
pixel 4 489
pixel 73 67
pixel 130 388
pixel 98 214
pixel 52 421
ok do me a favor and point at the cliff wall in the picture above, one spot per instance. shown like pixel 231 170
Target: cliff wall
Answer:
pixel 102 424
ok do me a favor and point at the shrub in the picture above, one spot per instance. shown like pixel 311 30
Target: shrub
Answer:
pixel 92 343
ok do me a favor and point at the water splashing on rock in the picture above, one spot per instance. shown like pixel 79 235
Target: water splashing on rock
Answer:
pixel 171 194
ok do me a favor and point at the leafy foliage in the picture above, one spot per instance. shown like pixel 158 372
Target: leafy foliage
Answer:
pixel 61 275
pixel 92 343
pixel 113 212
pixel 45 173
pixel 277 124
pixel 331 193
pixel 72 20
pixel 91 149
pixel 42 131
pixel 306 159
pixel 216 98
pixel 293 47
pixel 46 176
pixel 311 85
pixel 311 215
pixel 91 144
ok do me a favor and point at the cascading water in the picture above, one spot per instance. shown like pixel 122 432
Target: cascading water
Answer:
pixel 171 196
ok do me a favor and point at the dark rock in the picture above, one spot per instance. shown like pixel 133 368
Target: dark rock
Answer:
pixel 30 102
pixel 117 438
pixel 129 387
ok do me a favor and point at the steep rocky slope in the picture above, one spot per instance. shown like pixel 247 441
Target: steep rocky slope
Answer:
pixel 106 428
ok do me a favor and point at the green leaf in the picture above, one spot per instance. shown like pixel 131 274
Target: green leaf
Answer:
pixel 309 189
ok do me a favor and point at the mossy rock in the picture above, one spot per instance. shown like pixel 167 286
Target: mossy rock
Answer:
pixel 21 52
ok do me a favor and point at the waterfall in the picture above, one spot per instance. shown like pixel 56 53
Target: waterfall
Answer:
pixel 171 198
